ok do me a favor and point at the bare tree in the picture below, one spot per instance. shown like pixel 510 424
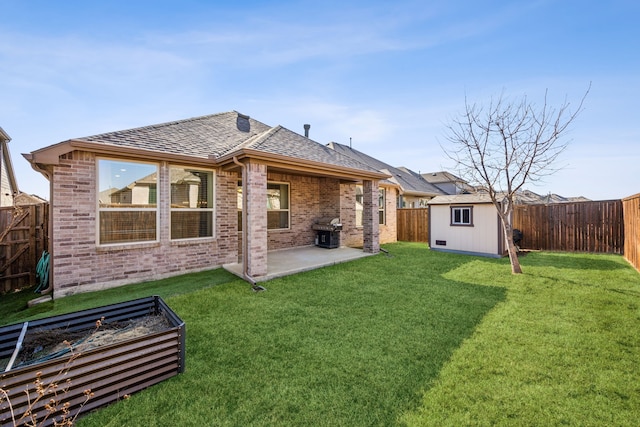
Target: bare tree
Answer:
pixel 505 144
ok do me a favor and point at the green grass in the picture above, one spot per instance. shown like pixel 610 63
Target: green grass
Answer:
pixel 420 338
pixel 14 306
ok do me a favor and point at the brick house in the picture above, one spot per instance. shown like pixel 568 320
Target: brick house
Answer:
pixel 195 194
pixel 412 190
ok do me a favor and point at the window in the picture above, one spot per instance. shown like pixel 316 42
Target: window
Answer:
pixel 127 202
pixel 462 215
pixel 277 205
pixel 191 203
pixel 360 205
pixel 381 205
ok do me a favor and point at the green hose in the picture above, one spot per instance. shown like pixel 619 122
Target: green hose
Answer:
pixel 42 272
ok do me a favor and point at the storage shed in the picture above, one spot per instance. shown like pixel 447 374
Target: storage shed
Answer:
pixel 466 223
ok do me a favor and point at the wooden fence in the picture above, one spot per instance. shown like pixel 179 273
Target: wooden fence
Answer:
pixel 595 227
pixel 631 206
pixel 413 225
pixel 23 238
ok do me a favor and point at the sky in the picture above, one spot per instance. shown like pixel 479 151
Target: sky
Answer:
pixel 387 77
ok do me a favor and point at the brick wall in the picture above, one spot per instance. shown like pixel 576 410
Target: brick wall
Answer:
pixel 352 235
pixel 305 208
pixel 80 266
pixel 389 230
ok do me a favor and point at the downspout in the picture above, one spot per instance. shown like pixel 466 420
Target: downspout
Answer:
pixel 245 242
pixel 49 176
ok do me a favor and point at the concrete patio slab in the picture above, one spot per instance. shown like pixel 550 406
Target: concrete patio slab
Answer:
pixel 291 261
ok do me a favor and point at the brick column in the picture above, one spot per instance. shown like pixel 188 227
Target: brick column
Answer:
pixel 370 219
pixel 254 242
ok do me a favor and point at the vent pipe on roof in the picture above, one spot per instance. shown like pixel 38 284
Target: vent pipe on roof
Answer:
pixel 306 130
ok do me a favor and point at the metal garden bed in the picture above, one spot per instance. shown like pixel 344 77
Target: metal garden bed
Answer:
pixel 110 371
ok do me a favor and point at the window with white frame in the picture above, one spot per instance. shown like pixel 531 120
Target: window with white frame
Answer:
pixel 462 215
pixel 277 205
pixel 360 204
pixel 192 207
pixel 127 202
pixel 278 208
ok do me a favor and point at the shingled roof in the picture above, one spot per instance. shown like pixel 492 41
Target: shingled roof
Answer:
pixel 204 136
pixel 214 139
pixel 410 182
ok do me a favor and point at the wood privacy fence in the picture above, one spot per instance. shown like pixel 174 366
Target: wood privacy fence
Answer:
pixel 631 206
pixel 413 225
pixel 595 227
pixel 23 238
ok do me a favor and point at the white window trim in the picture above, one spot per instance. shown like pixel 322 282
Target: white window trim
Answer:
pixel 461 209
pixel 99 209
pixel 288 211
pixel 212 209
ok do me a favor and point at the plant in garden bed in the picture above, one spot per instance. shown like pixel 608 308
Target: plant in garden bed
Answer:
pixel 57 410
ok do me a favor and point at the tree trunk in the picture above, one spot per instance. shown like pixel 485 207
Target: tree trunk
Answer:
pixel 511 247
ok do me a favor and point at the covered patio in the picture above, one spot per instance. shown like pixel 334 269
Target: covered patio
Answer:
pixel 285 262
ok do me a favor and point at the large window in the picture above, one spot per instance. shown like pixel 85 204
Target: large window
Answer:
pixel 360 204
pixel 461 215
pixel 127 202
pixel 278 209
pixel 191 203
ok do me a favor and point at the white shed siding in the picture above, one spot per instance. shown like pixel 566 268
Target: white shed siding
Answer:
pixel 6 192
pixel 481 238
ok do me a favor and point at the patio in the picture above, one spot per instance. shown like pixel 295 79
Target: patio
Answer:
pixel 296 260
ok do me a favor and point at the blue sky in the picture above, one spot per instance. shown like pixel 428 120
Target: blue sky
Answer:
pixel 387 76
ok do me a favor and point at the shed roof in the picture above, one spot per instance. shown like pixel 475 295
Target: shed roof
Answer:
pixel 458 199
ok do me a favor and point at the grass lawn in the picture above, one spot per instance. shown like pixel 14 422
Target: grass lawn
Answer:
pixel 420 338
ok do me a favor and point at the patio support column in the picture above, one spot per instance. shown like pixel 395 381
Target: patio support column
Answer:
pixel 254 239
pixel 370 219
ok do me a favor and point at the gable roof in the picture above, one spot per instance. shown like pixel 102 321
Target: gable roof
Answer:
pixel 214 140
pixel 410 183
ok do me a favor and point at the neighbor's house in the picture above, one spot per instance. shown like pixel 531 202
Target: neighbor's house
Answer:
pixel 448 182
pixel 196 194
pixel 413 191
pixel 466 223
pixel 8 183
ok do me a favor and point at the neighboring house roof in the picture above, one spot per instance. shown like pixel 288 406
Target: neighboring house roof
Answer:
pixel 522 197
pixel 528 197
pixel 216 139
pixel 410 183
pixel 23 199
pixel 8 180
pixel 442 178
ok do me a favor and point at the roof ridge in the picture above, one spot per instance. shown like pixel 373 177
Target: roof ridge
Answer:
pixel 161 125
pixel 256 139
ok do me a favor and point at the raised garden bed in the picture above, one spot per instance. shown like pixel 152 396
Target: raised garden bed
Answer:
pixel 113 351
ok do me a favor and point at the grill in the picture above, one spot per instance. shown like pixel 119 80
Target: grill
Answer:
pixel 327 232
